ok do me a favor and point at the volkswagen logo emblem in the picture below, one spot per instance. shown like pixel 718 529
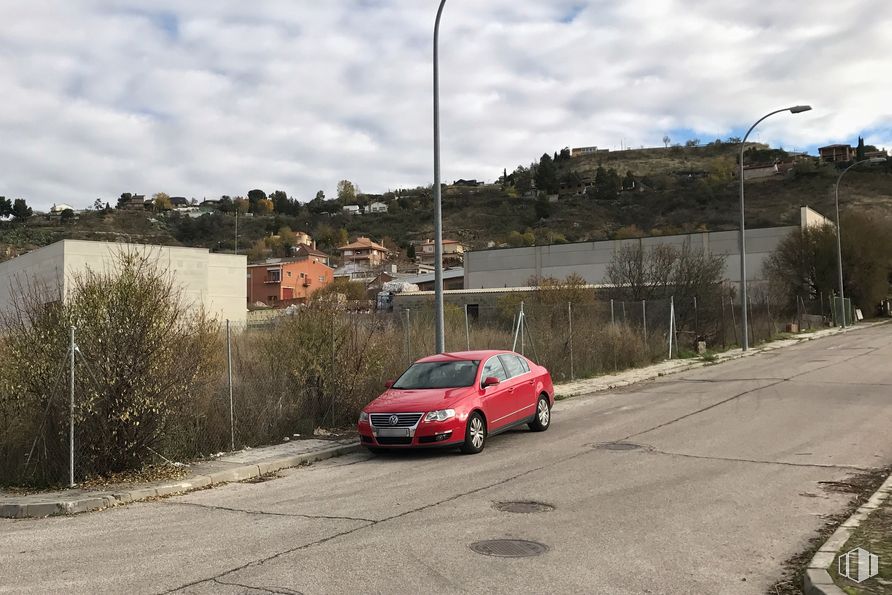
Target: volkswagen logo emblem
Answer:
pixel 394 420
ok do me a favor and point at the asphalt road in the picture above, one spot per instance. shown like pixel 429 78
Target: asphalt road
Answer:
pixel 724 489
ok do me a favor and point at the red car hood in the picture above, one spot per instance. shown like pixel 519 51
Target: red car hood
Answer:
pixel 420 400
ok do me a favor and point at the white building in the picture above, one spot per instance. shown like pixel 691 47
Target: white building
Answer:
pixel 215 281
pixel 58 208
pixel 352 209
pixel 377 207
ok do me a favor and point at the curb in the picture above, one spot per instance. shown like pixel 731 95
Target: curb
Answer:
pixel 102 501
pixel 817 580
pixel 691 364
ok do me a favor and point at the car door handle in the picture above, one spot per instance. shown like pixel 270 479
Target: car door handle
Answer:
pixel 532 381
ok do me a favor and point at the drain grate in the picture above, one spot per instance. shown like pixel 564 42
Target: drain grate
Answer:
pixel 619 446
pixel 509 548
pixel 523 507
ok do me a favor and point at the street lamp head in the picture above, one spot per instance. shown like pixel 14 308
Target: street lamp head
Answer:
pixel 798 109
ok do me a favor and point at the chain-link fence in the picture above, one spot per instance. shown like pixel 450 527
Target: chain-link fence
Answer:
pixel 318 366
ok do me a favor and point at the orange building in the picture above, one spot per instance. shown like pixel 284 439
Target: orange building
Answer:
pixel 283 281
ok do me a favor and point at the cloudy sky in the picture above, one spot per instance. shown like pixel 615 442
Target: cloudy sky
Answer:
pixel 208 97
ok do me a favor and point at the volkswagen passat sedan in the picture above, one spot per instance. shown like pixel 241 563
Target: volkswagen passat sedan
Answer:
pixel 458 400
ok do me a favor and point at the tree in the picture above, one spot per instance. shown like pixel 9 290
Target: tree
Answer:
pixel 98 205
pixel 241 205
pixel 255 196
pixel 21 210
pixel 607 183
pixel 523 180
pixel 320 196
pixel 342 238
pixel 546 175
pixel 629 181
pixel 67 216
pixel 694 142
pixel 125 198
pixel 667 141
pixel 161 202
pixel 410 252
pixel 859 151
pixel 543 208
pixel 804 265
pixel 264 207
pixel 347 192
pixel 5 207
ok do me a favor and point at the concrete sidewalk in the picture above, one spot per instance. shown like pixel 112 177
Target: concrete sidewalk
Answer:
pixel 664 368
pixel 236 466
pixel 250 463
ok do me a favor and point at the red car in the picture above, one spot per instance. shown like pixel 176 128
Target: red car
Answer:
pixel 458 399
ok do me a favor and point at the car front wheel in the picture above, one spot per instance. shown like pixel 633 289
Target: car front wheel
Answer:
pixel 475 435
pixel 543 415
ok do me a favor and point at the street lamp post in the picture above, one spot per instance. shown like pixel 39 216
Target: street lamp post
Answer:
pixel 796 109
pixel 438 198
pixel 842 294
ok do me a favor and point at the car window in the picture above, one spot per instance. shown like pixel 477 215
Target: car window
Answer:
pixel 512 365
pixel 495 369
pixel 523 363
pixel 453 374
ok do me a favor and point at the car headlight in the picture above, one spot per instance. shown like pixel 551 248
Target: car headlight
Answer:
pixel 363 416
pixel 441 415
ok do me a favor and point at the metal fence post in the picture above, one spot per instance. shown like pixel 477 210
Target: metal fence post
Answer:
pixel 696 317
pixel 733 320
pixel 522 323
pixel 408 340
pixel 229 372
pixel 644 317
pixel 467 327
pixel 71 416
pixel 671 323
pixel 570 320
pixel 612 316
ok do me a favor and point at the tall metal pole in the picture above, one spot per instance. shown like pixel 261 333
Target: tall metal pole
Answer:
pixel 467 327
pixel 743 302
pixel 438 198
pixel 71 415
pixel 842 293
pixel 229 369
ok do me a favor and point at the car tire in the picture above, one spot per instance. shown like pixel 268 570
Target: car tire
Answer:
pixel 542 421
pixel 475 434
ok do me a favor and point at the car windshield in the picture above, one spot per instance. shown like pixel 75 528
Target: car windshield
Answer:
pixel 452 374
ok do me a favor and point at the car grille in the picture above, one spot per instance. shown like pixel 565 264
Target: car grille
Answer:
pixel 404 420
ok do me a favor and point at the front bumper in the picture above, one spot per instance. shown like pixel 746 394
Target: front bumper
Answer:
pixel 424 435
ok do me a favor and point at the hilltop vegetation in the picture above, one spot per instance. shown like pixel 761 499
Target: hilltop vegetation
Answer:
pixel 601 196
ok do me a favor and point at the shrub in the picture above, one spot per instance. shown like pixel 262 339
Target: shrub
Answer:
pixel 142 357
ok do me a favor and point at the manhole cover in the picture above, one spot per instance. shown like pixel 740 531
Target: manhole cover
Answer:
pixel 619 446
pixel 523 507
pixel 509 548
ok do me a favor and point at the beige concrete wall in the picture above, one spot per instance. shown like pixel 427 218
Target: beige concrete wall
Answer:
pixel 214 281
pixel 811 218
pixel 514 267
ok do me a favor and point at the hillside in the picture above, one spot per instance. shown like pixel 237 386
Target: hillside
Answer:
pixel 676 190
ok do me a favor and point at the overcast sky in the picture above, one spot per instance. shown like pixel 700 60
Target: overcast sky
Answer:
pixel 201 98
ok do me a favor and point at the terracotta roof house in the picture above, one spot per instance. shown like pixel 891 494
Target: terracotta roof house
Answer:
pixel 364 252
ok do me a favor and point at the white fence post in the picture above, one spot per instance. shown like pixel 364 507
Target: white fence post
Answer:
pixel 229 372
pixel 71 348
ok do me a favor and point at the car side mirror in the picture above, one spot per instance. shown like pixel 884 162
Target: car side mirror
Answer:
pixel 389 384
pixel 490 381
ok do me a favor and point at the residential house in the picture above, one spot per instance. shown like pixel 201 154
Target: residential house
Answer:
pixel 364 252
pixel 279 282
pixel 180 202
pixel 136 202
pixel 309 252
pixel 452 279
pixel 59 208
pixel 836 153
pixel 453 252
pixel 378 207
pixel 580 151
pixel 352 271
pixel 352 210
pixel 305 239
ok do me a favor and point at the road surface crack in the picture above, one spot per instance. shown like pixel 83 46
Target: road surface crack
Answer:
pixel 265 513
pixel 757 461
pixel 275 590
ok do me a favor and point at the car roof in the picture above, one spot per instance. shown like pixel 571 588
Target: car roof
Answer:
pixel 464 355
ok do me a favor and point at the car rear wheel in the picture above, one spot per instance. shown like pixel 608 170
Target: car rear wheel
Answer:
pixel 475 435
pixel 543 415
